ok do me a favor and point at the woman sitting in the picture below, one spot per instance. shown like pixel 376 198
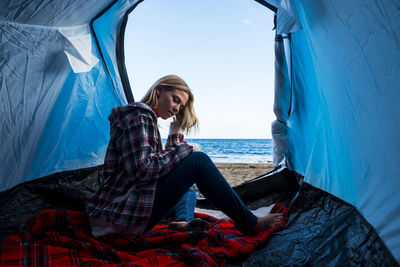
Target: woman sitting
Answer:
pixel 143 182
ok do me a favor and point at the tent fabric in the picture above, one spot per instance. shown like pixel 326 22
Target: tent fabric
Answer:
pixel 55 93
pixel 51 13
pixel 343 130
pixel 321 230
pixel 107 28
pixel 78 48
pixel 287 20
pixel 282 100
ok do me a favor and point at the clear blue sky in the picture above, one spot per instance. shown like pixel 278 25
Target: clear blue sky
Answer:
pixel 223 49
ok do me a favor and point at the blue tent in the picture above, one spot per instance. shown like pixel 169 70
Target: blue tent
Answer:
pixel 336 94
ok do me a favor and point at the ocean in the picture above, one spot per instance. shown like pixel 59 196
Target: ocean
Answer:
pixel 236 150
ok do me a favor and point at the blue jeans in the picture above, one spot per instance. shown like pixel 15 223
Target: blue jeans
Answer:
pixel 184 210
pixel 197 168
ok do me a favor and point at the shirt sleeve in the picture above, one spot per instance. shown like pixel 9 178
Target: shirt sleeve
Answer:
pixel 174 139
pixel 139 155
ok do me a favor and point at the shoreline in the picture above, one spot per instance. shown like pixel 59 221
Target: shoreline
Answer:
pixel 237 173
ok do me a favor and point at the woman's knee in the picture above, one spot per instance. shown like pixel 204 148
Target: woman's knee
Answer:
pixel 198 161
pixel 201 159
pixel 200 154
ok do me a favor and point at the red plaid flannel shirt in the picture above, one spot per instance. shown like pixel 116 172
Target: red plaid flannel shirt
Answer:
pixel 134 161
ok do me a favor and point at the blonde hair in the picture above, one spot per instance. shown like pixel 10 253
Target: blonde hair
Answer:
pixel 187 116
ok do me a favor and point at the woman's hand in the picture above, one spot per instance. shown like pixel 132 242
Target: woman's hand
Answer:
pixel 175 126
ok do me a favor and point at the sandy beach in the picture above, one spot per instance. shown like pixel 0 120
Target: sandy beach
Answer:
pixel 237 173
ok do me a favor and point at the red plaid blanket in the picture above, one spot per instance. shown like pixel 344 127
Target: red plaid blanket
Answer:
pixel 63 237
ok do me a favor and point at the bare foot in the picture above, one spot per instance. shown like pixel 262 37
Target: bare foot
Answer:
pixel 268 221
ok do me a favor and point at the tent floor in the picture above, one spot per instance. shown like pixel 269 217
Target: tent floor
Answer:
pixel 321 230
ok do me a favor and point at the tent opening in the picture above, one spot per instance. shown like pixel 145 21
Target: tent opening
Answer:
pixel 226 57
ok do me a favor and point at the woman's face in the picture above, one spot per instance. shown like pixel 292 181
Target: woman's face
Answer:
pixel 170 102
